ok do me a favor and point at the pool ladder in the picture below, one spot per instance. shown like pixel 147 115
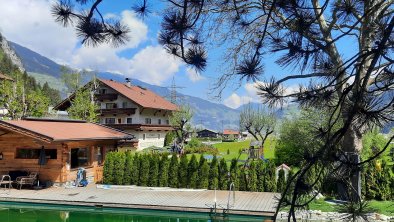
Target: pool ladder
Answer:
pixel 225 209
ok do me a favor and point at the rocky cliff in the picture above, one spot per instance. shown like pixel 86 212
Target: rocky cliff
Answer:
pixel 6 48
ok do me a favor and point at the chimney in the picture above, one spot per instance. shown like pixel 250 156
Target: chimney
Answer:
pixel 128 82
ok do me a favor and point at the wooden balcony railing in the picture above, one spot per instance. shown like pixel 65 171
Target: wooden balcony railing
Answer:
pixel 108 96
pixel 128 111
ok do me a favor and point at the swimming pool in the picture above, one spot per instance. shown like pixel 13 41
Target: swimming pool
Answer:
pixel 23 212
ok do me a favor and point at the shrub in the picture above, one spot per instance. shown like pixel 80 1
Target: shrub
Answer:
pixel 119 167
pixel 128 169
pixel 203 149
pixel 135 172
pixel 173 172
pixel 153 170
pixel 194 143
pixel 163 171
pixel 252 177
pixel 182 172
pixel 144 170
pixel 242 179
pixel 260 168
pixel 108 169
pixel 234 171
pixel 192 172
pixel 169 138
pixel 203 175
pixel 270 177
pixel 223 175
pixel 213 174
pixel 281 183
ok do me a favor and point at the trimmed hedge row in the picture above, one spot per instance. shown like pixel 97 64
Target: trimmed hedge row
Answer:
pixel 154 170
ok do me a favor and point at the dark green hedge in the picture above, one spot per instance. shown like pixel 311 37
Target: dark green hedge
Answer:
pixel 155 170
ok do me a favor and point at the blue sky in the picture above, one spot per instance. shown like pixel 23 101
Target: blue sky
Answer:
pixel 141 58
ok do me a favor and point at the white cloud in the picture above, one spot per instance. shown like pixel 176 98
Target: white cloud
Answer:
pixel 30 23
pixel 193 75
pixel 234 100
pixel 153 65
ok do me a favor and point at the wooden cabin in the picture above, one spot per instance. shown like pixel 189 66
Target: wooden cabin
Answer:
pixel 68 145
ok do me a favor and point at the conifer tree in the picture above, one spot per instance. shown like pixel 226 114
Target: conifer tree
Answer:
pixel 128 168
pixel 203 177
pixel 182 172
pixel 163 171
pixel 234 171
pixel 260 175
pixel 144 170
pixel 173 172
pixel 223 175
pixel 119 167
pixel 213 174
pixel 252 177
pixel 270 177
pixel 242 179
pixel 108 169
pixel 135 172
pixel 281 183
pixel 153 170
pixel 192 172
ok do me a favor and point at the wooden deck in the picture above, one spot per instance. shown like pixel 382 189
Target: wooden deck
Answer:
pixel 246 203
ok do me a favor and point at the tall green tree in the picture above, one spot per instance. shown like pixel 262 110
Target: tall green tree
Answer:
pixel 213 174
pixel 281 183
pixel 108 169
pixel 135 170
pixel 223 175
pixel 260 170
pixel 128 174
pixel 252 177
pixel 180 121
pixel 234 171
pixel 153 170
pixel 192 176
pixel 203 174
pixel 119 167
pixel 144 170
pixel 182 171
pixel 173 172
pixel 163 171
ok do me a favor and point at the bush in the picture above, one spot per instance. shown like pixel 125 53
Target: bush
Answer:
pixel 173 172
pixel 270 177
pixel 260 168
pixel 135 172
pixel 182 172
pixel 119 167
pixel 193 143
pixel 192 172
pixel 108 169
pixel 203 174
pixel 153 170
pixel 144 170
pixel 252 177
pixel 213 174
pixel 223 175
pixel 203 149
pixel 127 180
pixel 234 171
pixel 163 171
pixel 169 138
pixel 281 184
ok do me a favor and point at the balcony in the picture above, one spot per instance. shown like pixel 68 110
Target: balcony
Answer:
pixel 141 127
pixel 107 96
pixel 127 111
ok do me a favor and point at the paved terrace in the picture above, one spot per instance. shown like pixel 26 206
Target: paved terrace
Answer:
pixel 246 203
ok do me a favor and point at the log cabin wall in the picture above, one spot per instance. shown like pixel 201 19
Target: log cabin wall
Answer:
pixel 56 170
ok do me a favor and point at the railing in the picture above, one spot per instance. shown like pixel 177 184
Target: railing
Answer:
pixel 128 111
pixel 108 96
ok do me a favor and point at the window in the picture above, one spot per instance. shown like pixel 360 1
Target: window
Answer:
pixel 28 153
pixel 159 121
pixel 125 105
pixel 103 91
pixel 79 157
pixel 109 120
pixel 119 121
pixel 110 105
pixel 168 122
pixel 158 136
pixel 143 136
pixel 129 120
pixel 148 120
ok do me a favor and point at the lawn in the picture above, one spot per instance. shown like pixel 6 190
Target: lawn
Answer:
pixel 230 150
pixel 381 207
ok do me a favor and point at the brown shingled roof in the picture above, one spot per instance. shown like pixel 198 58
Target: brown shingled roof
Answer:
pixel 50 130
pixel 141 96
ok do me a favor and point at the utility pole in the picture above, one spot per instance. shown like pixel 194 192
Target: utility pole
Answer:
pixel 173 91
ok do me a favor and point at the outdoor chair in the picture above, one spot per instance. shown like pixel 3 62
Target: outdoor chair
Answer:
pixel 27 180
pixel 5 180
